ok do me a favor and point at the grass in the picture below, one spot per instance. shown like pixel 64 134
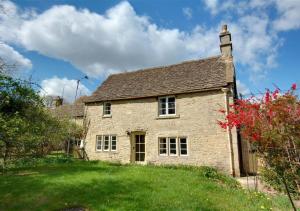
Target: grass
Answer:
pixel 105 186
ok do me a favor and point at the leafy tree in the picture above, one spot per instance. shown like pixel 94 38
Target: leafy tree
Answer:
pixel 272 125
pixel 26 127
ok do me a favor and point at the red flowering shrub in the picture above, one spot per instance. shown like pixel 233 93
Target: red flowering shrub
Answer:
pixel 272 125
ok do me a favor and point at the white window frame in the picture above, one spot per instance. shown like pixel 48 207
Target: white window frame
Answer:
pixel 167 106
pixel 187 146
pixel 113 150
pixel 101 141
pixel 106 150
pixel 167 146
pixel 178 146
pixel 104 109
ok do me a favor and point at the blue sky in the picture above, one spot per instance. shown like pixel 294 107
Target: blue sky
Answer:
pixel 57 42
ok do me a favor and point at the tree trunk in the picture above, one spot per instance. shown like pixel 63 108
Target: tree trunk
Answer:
pixel 288 193
pixel 5 156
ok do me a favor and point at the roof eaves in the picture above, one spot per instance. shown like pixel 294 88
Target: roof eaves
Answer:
pixel 159 95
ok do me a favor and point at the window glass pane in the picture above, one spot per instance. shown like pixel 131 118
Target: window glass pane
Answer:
pixel 183 146
pixel 137 139
pixel 99 143
pixel 106 143
pixel 171 110
pixel 171 105
pixel 162 111
pixel 142 157
pixel 163 100
pixel 142 147
pixel 162 146
pixel 172 146
pixel 171 100
pixel 142 139
pixel 162 106
pixel 113 143
pixel 107 108
pixel 137 156
pixel 183 152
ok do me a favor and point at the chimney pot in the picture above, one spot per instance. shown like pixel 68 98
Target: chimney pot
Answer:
pixel 224 28
pixel 58 101
pixel 225 42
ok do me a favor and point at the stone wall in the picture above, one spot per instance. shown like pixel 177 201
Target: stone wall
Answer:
pixel 196 118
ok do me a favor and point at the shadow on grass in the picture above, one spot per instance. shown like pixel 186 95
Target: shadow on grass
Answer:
pixel 51 193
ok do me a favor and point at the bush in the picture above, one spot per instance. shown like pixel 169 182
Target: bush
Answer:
pixel 33 162
pixel 212 173
pixel 209 173
pixel 270 178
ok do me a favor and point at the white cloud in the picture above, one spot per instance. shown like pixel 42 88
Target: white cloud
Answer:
pixel 254 44
pixel 187 12
pixel 289 11
pixel 98 44
pixel 260 3
pixel 63 87
pixel 11 19
pixel 242 88
pixel 120 39
pixel 217 6
pixel 14 58
pixel 288 16
pixel 212 5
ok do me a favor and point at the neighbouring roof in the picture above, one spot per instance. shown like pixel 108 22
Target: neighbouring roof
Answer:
pixel 190 76
pixel 70 110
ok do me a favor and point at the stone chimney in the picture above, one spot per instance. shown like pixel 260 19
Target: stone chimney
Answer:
pixel 57 101
pixel 225 42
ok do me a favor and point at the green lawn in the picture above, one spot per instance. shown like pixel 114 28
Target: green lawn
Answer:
pixel 104 186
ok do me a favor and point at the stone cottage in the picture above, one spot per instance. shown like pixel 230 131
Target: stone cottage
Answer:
pixel 167 114
pixel 74 111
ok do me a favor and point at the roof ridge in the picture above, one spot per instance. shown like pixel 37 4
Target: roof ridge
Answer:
pixel 164 66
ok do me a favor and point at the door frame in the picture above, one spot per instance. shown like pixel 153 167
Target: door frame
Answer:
pixel 132 146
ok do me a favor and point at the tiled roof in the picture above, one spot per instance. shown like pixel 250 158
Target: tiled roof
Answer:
pixel 70 110
pixel 190 76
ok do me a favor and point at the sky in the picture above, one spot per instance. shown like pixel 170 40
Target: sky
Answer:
pixel 55 43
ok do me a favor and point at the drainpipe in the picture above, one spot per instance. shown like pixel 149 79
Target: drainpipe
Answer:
pixel 226 90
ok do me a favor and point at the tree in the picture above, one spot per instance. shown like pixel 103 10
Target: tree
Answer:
pixel 272 125
pixel 26 127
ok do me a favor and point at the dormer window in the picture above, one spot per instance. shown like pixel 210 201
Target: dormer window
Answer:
pixel 107 109
pixel 167 106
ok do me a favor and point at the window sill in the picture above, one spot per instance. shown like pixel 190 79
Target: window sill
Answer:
pixel 102 151
pixel 173 155
pixel 168 117
pixel 107 116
